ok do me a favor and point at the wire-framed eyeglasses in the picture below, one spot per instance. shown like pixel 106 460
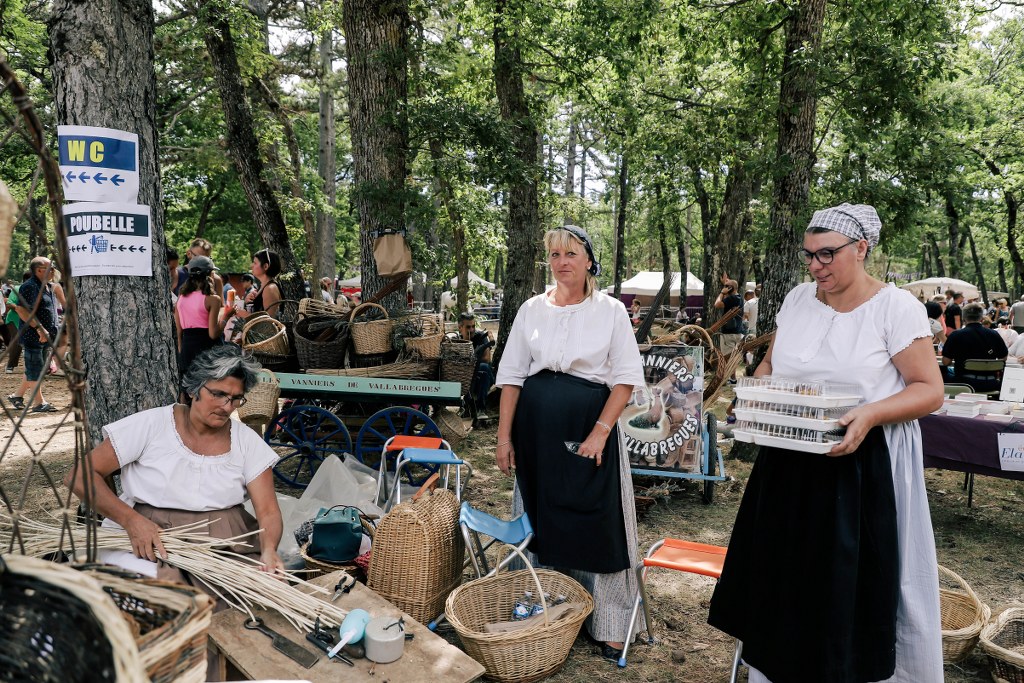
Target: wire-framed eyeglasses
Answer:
pixel 224 398
pixel 824 256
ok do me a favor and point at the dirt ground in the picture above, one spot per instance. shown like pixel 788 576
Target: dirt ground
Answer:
pixel 983 544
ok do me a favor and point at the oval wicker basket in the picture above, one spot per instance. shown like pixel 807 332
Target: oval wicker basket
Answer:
pixel 370 337
pixel 316 354
pixel 313 307
pixel 425 347
pixel 524 655
pixel 266 335
pixel 1002 640
pixel 453 429
pixel 963 616
pixel 261 400
pixel 428 324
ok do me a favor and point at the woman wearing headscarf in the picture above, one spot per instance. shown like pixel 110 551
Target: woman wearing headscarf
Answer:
pixel 831 571
pixel 568 370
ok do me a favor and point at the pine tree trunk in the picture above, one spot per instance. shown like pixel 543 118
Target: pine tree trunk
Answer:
pixel 523 204
pixel 570 171
pixel 794 156
pixel 443 190
pixel 325 264
pixel 244 147
pixel 953 226
pixel 940 270
pixel 376 40
pixel 620 227
pixel 977 267
pixel 103 76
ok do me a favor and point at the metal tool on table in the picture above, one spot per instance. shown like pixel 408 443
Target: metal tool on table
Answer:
pixel 290 649
pixel 385 639
pixel 324 639
pixel 344 585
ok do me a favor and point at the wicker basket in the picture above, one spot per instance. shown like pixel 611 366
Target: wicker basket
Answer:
pixel 1002 639
pixel 372 337
pixel 169 620
pixel 266 335
pixel 261 400
pixel 458 362
pixel 520 656
pixel 453 429
pixel 417 555
pixel 963 616
pixel 314 353
pixel 428 324
pixel 425 347
pixel 318 307
pixel 86 639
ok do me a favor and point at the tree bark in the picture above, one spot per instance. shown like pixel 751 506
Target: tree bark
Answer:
pixel 955 236
pixel 712 283
pixel 377 40
pixel 103 75
pixel 523 202
pixel 569 189
pixel 244 146
pixel 209 200
pixel 325 263
pixel 1002 278
pixel 447 197
pixel 977 267
pixel 664 292
pixel 794 156
pixel 940 269
pixel 620 226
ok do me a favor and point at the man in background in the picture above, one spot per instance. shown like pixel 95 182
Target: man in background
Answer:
pixel 974 341
pixel 483 378
pixel 750 298
pixel 1017 316
pixel 732 331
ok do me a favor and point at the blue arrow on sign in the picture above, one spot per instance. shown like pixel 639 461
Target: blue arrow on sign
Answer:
pixel 83 177
pixel 70 176
pixel 117 180
pixel 99 178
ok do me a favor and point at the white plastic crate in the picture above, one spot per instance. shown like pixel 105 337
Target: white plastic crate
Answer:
pixel 790 438
pixel 816 394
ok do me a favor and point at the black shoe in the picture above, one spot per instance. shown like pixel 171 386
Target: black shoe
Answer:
pixel 16 401
pixel 609 652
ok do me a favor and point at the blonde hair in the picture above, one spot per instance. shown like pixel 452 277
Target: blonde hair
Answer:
pixel 563 239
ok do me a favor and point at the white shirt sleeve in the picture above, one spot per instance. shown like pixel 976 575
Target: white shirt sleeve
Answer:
pixel 515 359
pixel 906 321
pixel 259 457
pixel 130 435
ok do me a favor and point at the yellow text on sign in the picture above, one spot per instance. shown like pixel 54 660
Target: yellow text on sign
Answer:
pixel 76 151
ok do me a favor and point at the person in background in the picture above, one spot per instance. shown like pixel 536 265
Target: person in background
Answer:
pixel 197 313
pixel 356 298
pixel 634 312
pixel 62 339
pixel 732 332
pixel 266 265
pixel 750 311
pixel 199 247
pixel 325 290
pixel 173 261
pixel 483 378
pixel 13 324
pixel 1016 316
pixel 953 313
pixel 974 341
pixel 37 332
pixel 569 368
pixel 938 329
pixel 1003 330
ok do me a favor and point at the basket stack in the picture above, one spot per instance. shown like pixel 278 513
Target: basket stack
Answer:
pixel 267 340
pixel 318 307
pixel 963 616
pixel 458 362
pixel 261 401
pixel 417 555
pixel 321 341
pixel 431 328
pixel 370 337
pixel 1002 640
pixel 519 656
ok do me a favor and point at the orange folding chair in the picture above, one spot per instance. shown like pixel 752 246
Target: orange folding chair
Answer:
pixel 682 556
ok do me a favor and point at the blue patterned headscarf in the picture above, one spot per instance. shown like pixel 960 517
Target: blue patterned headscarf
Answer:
pixel 581 234
pixel 856 221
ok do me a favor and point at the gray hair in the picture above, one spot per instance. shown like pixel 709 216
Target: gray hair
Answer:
pixel 973 313
pixel 217 363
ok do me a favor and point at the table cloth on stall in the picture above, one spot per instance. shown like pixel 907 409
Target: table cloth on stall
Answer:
pixel 965 444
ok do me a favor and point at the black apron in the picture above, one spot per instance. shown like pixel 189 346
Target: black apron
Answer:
pixel 574 506
pixel 811 578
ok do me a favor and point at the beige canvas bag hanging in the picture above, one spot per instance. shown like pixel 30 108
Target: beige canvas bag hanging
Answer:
pixel 392 254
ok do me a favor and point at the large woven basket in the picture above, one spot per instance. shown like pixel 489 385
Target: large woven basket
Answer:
pixel 453 428
pixel 58 626
pixel 261 400
pixel 264 334
pixel 458 362
pixel 371 337
pixel 963 616
pixel 169 621
pixel 1002 639
pixel 425 347
pixel 319 307
pixel 428 324
pixel 417 555
pixel 520 656
pixel 314 353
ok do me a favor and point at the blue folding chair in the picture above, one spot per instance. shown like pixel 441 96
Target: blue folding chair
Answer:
pixel 435 457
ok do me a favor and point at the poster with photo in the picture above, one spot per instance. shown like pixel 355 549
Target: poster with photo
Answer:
pixel 661 423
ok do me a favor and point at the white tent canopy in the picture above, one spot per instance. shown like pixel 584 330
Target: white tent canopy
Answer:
pixel 473 277
pixel 929 287
pixel 355 281
pixel 648 282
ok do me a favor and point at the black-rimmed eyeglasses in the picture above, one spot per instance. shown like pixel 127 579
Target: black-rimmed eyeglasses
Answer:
pixel 824 256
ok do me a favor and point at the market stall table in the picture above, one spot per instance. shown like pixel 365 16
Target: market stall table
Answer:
pixel 427 657
pixel 966 444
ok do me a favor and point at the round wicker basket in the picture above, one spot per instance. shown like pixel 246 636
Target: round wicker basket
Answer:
pixel 372 337
pixel 453 429
pixel 458 362
pixel 261 400
pixel 316 354
pixel 265 335
pixel 520 656
pixel 425 347
pixel 963 616
pixel 1002 639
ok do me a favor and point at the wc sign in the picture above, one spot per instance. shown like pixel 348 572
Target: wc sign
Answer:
pixel 98 164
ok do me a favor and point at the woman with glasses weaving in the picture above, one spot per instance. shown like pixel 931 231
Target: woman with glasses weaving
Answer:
pixel 831 570
pixel 185 463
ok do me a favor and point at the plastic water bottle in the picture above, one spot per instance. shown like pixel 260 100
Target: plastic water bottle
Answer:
pixel 523 607
pixel 538 607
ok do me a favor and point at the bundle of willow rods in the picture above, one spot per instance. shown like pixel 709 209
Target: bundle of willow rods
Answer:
pixel 236 579
pixel 403 369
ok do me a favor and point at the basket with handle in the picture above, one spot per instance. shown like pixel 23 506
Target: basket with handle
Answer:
pixel 261 400
pixel 428 324
pixel 373 336
pixel 1002 640
pixel 265 335
pixel 519 656
pixel 458 362
pixel 321 342
pixel 318 307
pixel 425 347
pixel 963 616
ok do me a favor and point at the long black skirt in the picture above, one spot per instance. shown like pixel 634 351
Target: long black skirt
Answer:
pixel 811 577
pixel 194 341
pixel 575 506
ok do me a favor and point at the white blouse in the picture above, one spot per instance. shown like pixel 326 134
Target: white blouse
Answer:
pixel 592 340
pixel 159 470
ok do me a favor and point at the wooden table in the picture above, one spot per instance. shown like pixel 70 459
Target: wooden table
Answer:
pixel 427 657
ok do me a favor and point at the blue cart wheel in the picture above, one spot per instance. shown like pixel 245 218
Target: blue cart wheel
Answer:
pixel 304 436
pixel 390 422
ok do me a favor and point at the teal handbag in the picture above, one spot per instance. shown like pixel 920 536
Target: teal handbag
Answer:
pixel 337 533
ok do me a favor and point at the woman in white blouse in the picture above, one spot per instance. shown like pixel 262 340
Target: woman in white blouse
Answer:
pixel 831 570
pixel 568 370
pixel 183 463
